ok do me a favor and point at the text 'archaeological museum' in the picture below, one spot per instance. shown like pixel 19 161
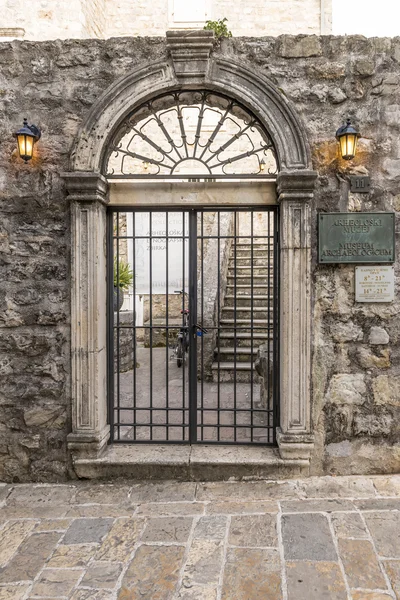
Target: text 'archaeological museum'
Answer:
pixel 199 213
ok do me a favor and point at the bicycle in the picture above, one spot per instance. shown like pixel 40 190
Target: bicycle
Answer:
pixel 182 341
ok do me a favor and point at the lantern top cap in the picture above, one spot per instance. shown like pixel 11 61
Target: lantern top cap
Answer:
pixel 346 130
pixel 31 130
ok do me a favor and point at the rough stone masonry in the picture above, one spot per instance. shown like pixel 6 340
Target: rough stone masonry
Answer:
pixel 356 347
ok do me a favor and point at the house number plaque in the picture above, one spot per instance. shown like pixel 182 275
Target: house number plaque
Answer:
pixel 356 237
pixel 374 284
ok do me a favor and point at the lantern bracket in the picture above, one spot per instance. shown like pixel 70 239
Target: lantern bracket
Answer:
pixel 32 130
pixel 36 131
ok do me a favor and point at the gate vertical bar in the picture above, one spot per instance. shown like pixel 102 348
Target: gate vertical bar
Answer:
pixel 166 330
pixel 192 326
pixel 202 323
pixel 252 323
pixel 151 321
pixel 110 321
pixel 118 334
pixel 134 320
pixel 183 322
pixel 276 336
pixel 269 286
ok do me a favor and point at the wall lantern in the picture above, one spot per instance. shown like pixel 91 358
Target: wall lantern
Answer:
pixel 27 136
pixel 262 165
pixel 347 137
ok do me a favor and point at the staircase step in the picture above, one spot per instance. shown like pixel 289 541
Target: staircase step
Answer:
pixel 245 321
pixel 248 286
pixel 243 301
pixel 227 366
pixel 229 311
pixel 254 267
pixel 248 296
pixel 255 244
pixel 231 350
pixel 263 257
pixel 243 336
pixel 244 340
pixel 262 280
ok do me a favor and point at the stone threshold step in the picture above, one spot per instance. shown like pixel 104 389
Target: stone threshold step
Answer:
pixel 200 462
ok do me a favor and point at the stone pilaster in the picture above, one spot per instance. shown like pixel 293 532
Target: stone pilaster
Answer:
pixel 88 195
pixel 295 190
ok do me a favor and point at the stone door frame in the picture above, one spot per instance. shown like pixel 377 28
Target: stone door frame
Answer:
pixel 191 64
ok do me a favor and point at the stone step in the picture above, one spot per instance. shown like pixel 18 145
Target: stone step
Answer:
pixel 242 300
pixel 247 267
pixel 242 263
pixel 255 244
pixel 247 286
pixel 228 335
pixel 243 312
pixel 199 462
pixel 243 340
pixel 249 274
pixel 254 322
pixel 246 253
pixel 247 279
pixel 227 353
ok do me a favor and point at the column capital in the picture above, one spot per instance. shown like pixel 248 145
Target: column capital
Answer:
pixel 86 186
pixel 296 185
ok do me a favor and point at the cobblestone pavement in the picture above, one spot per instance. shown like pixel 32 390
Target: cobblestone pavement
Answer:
pixel 321 538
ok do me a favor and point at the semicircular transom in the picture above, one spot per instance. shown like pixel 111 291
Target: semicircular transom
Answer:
pixel 190 132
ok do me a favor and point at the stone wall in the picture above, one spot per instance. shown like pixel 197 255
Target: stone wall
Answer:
pixel 356 347
pixel 49 19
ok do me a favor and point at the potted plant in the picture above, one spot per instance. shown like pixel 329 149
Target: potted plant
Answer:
pixel 123 277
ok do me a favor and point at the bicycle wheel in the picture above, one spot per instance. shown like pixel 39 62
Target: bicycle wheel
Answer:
pixel 179 353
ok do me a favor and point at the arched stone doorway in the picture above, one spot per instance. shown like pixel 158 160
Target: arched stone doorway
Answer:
pixel 191 65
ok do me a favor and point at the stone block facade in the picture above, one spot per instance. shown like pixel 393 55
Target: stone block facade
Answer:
pixel 50 19
pixel 355 383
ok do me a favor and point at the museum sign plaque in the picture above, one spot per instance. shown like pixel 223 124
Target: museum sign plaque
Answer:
pixel 356 237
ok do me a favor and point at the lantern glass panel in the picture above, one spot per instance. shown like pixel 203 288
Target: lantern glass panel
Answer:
pixel 348 145
pixel 25 146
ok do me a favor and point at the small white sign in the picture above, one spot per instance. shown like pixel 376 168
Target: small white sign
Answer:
pixel 374 284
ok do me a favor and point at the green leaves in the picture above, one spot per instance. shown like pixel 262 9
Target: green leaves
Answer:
pixel 219 27
pixel 123 274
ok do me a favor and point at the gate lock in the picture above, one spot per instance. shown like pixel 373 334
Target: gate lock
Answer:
pixel 199 330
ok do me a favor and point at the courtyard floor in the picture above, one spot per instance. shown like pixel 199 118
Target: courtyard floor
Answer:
pixel 327 538
pixel 231 411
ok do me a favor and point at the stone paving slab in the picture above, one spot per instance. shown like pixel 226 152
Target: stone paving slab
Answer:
pixel 329 538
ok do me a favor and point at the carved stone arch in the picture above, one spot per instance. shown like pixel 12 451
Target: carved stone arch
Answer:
pixel 235 80
pixel 191 66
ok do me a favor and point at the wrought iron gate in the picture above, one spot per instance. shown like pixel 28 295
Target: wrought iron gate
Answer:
pixel 193 348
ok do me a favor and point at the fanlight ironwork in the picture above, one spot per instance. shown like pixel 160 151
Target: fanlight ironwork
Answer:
pixel 191 133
